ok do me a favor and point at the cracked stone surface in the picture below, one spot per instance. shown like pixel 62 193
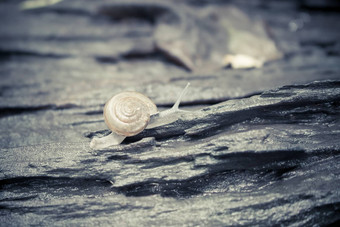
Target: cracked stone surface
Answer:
pixel 255 147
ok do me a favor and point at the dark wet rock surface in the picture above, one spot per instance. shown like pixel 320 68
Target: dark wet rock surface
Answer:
pixel 255 146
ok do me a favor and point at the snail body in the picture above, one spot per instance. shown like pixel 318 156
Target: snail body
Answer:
pixel 129 113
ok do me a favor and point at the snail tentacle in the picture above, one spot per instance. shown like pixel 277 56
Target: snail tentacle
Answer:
pixel 178 101
pixel 170 115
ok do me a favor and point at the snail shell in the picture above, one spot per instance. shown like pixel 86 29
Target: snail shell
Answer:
pixel 128 113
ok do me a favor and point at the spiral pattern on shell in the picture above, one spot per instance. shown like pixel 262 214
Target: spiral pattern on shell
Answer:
pixel 128 113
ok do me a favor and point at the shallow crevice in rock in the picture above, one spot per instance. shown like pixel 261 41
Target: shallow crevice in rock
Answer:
pixel 10 111
pixel 148 11
pixel 19 110
pixel 7 54
pixel 330 6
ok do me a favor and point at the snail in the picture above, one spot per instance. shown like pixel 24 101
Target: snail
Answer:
pixel 129 113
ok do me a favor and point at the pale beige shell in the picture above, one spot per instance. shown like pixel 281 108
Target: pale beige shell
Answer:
pixel 128 113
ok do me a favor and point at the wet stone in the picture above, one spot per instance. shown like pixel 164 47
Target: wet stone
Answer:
pixel 255 146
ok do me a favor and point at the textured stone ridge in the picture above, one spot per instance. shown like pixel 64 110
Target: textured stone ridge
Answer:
pixel 262 145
